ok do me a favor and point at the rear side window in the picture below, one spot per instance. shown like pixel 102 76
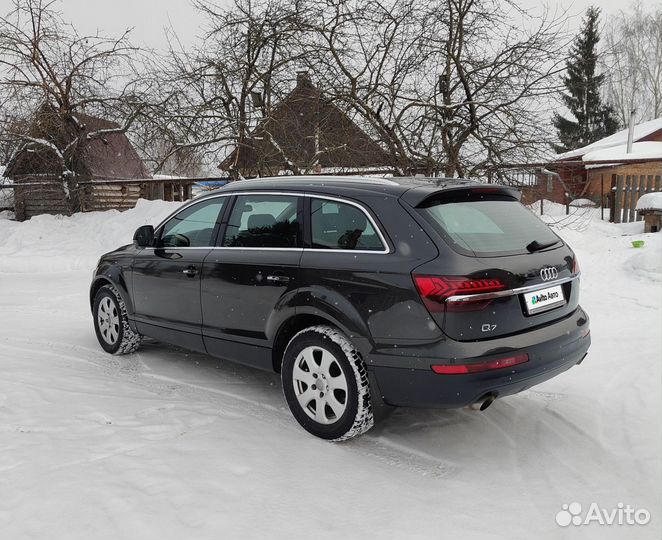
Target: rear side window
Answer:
pixel 263 221
pixel 487 228
pixel 337 225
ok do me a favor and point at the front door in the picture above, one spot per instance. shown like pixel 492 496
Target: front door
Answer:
pixel 248 278
pixel 166 277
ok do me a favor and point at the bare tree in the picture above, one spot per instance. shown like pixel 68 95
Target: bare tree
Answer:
pixel 449 86
pixel 367 57
pixel 633 62
pixel 497 82
pixel 53 76
pixel 445 86
pixel 218 92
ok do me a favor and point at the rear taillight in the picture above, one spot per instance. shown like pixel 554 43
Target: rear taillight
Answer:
pixel 475 367
pixel 575 266
pixel 436 290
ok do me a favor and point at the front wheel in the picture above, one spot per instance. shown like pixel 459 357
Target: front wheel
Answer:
pixel 111 323
pixel 325 383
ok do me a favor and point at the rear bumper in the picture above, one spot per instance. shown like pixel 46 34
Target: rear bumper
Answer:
pixel 406 378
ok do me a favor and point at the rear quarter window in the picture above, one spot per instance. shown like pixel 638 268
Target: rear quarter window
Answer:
pixel 488 228
pixel 341 226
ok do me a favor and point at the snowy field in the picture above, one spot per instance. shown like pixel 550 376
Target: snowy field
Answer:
pixel 166 444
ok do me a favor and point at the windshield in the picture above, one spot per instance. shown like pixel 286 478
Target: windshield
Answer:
pixel 490 228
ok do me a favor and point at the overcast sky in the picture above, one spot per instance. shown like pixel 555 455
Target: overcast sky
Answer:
pixel 150 17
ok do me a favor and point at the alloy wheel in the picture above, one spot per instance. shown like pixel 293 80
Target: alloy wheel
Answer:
pixel 108 319
pixel 320 385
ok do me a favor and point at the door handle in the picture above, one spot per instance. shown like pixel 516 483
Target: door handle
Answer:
pixel 190 271
pixel 278 279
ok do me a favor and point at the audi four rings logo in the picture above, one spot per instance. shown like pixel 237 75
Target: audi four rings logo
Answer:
pixel 549 273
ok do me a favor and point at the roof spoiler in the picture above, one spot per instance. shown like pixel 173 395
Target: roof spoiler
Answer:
pixel 418 196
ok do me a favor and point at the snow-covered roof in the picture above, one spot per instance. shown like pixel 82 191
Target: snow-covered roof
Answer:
pixel 650 201
pixel 617 139
pixel 640 150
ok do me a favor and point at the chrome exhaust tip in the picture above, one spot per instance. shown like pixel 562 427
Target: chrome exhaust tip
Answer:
pixel 483 403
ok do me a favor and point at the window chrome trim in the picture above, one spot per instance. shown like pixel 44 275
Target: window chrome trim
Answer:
pixel 210 248
pixel 510 292
pixel 385 251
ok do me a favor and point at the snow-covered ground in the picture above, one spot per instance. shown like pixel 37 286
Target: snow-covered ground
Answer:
pixel 170 444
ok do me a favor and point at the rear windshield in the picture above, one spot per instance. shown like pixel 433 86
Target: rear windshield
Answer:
pixel 490 228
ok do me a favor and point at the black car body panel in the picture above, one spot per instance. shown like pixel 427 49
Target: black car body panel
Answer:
pixel 115 268
pixel 244 303
pixel 405 378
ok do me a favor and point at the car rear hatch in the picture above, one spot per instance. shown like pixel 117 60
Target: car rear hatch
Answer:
pixel 500 271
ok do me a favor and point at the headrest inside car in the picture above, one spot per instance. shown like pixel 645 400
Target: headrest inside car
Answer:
pixel 259 221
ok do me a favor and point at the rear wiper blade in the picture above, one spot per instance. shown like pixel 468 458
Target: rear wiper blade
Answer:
pixel 537 246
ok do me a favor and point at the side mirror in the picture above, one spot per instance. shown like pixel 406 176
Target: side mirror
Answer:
pixel 144 236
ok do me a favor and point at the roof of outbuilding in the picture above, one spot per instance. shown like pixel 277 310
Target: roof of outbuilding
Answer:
pixel 113 155
pixel 650 201
pixel 110 156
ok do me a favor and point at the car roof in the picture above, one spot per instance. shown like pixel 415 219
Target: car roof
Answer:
pixel 346 185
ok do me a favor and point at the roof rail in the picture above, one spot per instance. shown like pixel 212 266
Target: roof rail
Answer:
pixel 322 179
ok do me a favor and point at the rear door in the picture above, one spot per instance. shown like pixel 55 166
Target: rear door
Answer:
pixel 248 278
pixel 166 277
pixel 501 269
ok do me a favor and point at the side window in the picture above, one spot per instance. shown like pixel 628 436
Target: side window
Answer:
pixel 193 226
pixel 337 225
pixel 263 221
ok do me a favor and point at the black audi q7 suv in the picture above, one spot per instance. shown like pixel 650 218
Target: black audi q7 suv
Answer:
pixel 417 292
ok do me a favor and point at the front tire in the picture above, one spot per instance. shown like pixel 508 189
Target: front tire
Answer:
pixel 111 323
pixel 325 383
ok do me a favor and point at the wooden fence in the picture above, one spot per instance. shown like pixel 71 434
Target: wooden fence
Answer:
pixel 625 192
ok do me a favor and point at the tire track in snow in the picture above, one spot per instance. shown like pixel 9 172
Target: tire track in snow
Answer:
pixel 370 445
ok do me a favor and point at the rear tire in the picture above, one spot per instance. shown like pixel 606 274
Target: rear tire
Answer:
pixel 326 385
pixel 111 323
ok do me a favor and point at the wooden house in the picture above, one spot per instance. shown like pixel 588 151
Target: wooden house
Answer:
pixel 99 167
pixel 307 134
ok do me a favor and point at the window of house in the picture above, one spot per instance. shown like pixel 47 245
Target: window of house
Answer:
pixel 263 221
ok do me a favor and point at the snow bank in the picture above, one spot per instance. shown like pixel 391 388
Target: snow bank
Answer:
pixel 650 201
pixel 550 208
pixel 60 243
pixel 583 202
pixel 647 262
